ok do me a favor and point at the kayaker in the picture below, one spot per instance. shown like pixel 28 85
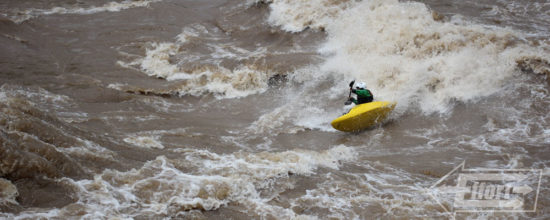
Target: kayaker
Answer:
pixel 363 94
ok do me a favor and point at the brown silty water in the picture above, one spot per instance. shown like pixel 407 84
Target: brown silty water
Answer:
pixel 221 109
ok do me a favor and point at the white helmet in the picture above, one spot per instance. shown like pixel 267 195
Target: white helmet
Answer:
pixel 361 85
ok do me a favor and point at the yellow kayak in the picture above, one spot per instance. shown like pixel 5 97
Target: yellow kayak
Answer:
pixel 363 116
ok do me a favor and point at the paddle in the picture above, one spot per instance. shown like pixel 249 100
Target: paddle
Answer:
pixel 349 96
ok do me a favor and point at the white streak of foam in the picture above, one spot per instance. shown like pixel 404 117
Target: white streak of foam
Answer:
pixel 481 144
pixel 22 16
pixel 145 142
pixel 151 139
pixel 165 105
pixel 35 94
pixel 89 149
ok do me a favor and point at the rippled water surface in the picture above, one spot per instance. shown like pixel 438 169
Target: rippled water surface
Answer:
pixel 221 109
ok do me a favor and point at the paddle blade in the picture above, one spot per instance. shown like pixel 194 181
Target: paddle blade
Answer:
pixel 351 84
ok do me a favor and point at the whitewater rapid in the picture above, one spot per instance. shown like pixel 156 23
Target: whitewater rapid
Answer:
pixel 222 109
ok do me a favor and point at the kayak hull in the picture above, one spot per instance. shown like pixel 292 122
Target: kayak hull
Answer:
pixel 363 116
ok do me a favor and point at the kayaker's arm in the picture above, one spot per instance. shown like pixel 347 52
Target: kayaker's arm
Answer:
pixel 353 100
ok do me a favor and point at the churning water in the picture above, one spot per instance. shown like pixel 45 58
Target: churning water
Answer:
pixel 221 109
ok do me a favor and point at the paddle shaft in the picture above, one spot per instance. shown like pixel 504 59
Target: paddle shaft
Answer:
pixel 350 88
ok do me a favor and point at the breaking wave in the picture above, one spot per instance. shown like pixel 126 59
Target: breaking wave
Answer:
pixel 415 58
pixel 407 53
pixel 202 181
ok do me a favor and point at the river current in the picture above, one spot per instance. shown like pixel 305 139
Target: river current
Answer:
pixel 221 109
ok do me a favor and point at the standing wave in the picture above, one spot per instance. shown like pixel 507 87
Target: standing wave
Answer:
pixel 407 53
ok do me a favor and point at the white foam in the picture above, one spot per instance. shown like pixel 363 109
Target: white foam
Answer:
pixel 199 72
pixel 89 149
pixel 305 107
pixel 295 16
pixel 293 117
pixel 405 55
pixel 411 58
pixel 60 105
pixel 53 103
pixel 160 188
pixel 222 82
pixel 524 122
pixel 145 142
pixel 165 105
pixel 520 14
pixel 151 139
pixel 35 94
pixel 381 187
pixel 156 63
pixel 272 120
pixel 191 32
pixel 546 136
pixel 8 192
pixel 22 16
pixel 481 144
pixel 296 161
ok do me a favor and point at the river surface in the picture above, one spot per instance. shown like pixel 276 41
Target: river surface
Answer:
pixel 221 109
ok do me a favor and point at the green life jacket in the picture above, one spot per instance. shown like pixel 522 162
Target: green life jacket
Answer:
pixel 363 96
